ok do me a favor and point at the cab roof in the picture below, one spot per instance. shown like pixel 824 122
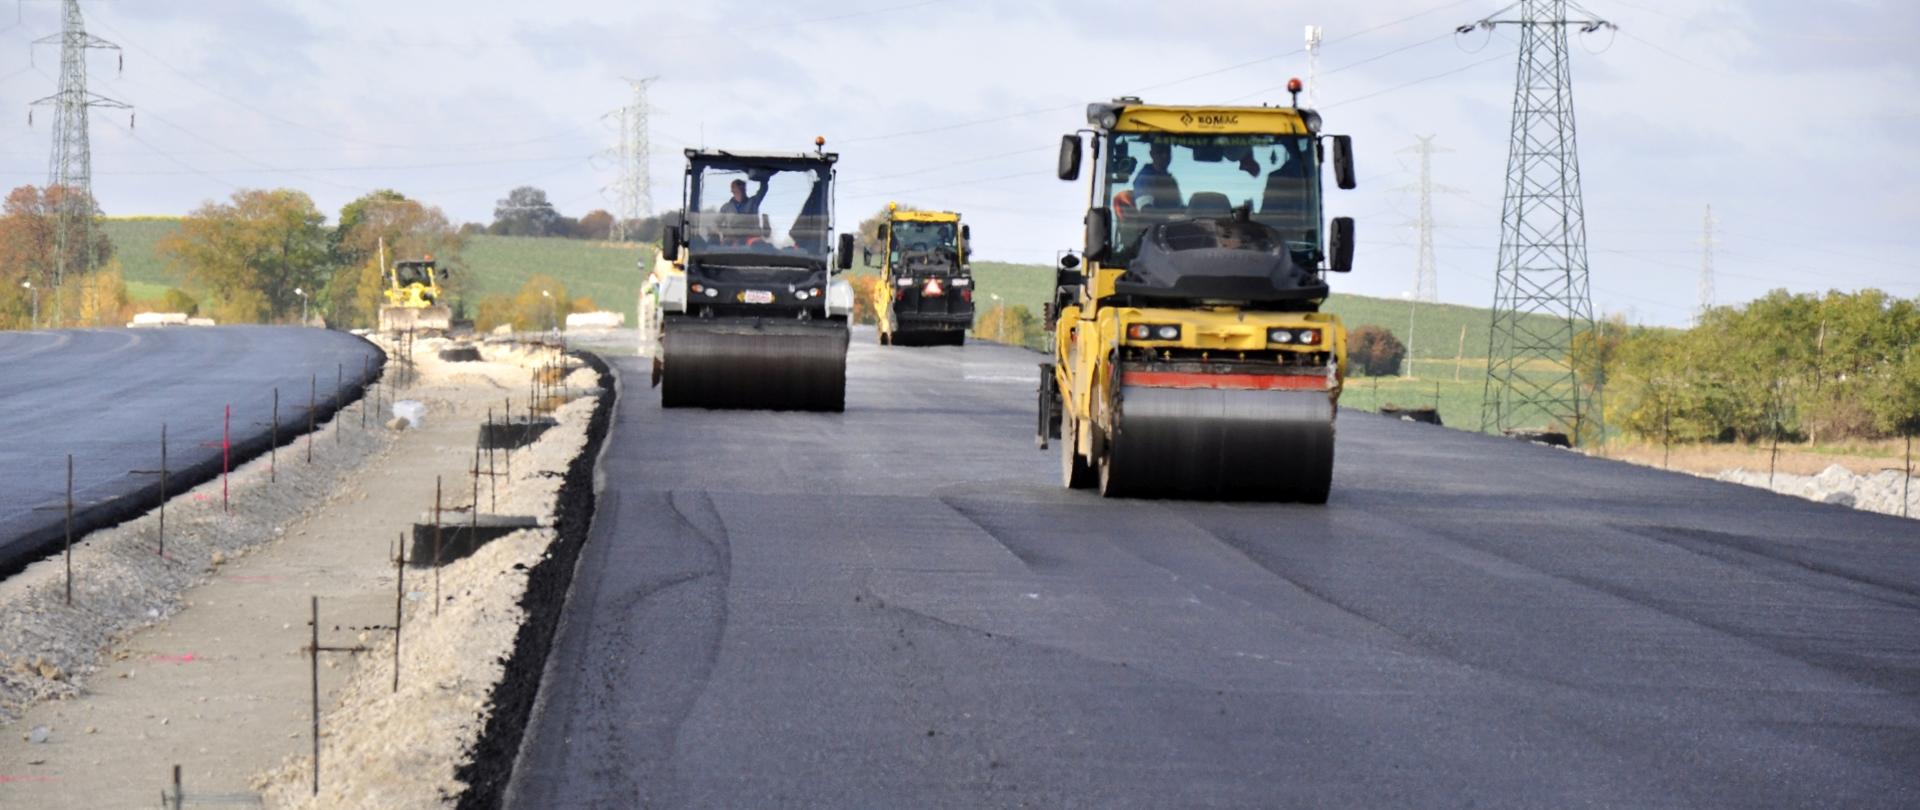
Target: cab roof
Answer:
pixel 1134 115
pixel 749 155
pixel 902 215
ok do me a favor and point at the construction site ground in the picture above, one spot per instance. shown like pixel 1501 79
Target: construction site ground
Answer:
pixel 208 671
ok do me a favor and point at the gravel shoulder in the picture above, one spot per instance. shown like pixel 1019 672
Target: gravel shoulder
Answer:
pixel 199 661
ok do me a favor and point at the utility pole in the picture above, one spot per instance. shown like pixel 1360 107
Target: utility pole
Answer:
pixel 1706 267
pixel 633 193
pixel 1313 67
pixel 1541 294
pixel 70 169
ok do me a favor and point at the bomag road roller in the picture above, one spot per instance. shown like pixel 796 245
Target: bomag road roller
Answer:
pixel 743 308
pixel 1191 355
pixel 413 296
pixel 925 297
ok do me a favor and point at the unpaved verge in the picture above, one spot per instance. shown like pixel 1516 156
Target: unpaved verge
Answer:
pixel 1881 492
pixel 488 768
pixel 401 748
pixel 121 583
pixel 220 686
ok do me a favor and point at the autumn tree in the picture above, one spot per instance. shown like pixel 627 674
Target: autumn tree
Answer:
pixel 250 253
pixel 597 224
pixel 541 303
pixel 1375 351
pixel 29 252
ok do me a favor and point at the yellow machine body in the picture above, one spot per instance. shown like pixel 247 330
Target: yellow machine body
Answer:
pixel 925 295
pixel 1151 391
pixel 413 294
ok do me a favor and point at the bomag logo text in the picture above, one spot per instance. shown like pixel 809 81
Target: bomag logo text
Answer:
pixel 1218 120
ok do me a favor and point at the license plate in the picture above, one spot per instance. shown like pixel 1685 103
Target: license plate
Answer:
pixel 756 297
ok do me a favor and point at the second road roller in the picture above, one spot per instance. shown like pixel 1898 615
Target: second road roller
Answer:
pixel 925 295
pixel 1191 356
pixel 743 308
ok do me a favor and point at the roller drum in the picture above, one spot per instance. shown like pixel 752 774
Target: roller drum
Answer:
pixel 767 365
pixel 1263 445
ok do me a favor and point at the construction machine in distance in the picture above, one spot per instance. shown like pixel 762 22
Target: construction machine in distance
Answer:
pixel 926 293
pixel 413 295
pixel 1191 356
pixel 742 308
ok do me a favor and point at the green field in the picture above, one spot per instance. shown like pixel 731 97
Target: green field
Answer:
pixel 494 265
pixel 136 244
pixel 608 273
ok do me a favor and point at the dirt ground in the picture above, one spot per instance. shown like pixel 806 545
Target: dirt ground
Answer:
pixel 213 677
pixel 1795 459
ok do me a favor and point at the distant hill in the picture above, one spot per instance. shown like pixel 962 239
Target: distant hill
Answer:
pixel 606 272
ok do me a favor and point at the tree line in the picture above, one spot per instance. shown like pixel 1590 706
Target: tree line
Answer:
pixel 1816 368
pixel 267 255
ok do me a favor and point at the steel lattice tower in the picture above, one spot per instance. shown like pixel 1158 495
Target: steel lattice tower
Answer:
pixel 1426 282
pixel 634 194
pixel 70 169
pixel 1541 296
pixel 1706 266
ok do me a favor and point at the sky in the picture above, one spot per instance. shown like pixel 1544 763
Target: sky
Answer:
pixel 1794 123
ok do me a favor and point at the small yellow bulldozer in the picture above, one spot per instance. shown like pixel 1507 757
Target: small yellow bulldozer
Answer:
pixel 413 296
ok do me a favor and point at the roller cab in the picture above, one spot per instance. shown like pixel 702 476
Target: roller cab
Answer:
pixel 926 292
pixel 743 308
pixel 1191 355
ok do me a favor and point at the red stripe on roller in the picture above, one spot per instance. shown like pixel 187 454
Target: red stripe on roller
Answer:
pixel 1237 382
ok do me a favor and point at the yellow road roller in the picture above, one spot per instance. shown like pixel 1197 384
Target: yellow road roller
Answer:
pixel 925 295
pixel 1191 356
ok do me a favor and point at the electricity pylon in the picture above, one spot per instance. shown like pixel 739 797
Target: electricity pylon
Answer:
pixel 70 169
pixel 633 194
pixel 1541 294
pixel 1706 266
pixel 1426 283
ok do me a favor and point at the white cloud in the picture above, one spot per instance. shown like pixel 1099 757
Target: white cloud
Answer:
pixel 1796 134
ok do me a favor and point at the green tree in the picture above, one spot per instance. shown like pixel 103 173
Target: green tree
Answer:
pixel 249 254
pixel 526 212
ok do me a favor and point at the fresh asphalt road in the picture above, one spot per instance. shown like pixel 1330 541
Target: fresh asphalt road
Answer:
pixel 900 607
pixel 102 395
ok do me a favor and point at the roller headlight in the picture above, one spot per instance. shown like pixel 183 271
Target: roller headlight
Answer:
pixel 1167 333
pixel 1306 337
pixel 1152 331
pixel 712 293
pixel 1280 336
pixel 903 281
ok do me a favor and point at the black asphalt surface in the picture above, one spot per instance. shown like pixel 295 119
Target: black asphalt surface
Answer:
pixel 900 607
pixel 102 394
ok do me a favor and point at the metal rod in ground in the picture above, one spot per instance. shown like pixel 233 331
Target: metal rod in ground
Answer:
pixel 493 484
pixel 1906 484
pixel 163 490
pixel 339 396
pixel 179 798
pixel 273 449
pixel 399 601
pixel 365 366
pixel 509 403
pixel 226 458
pixel 69 552
pixel 1773 456
pixel 313 398
pixel 474 528
pixel 315 650
pixel 436 545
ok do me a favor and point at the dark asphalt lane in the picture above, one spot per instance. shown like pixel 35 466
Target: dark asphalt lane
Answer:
pixel 899 607
pixel 102 394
